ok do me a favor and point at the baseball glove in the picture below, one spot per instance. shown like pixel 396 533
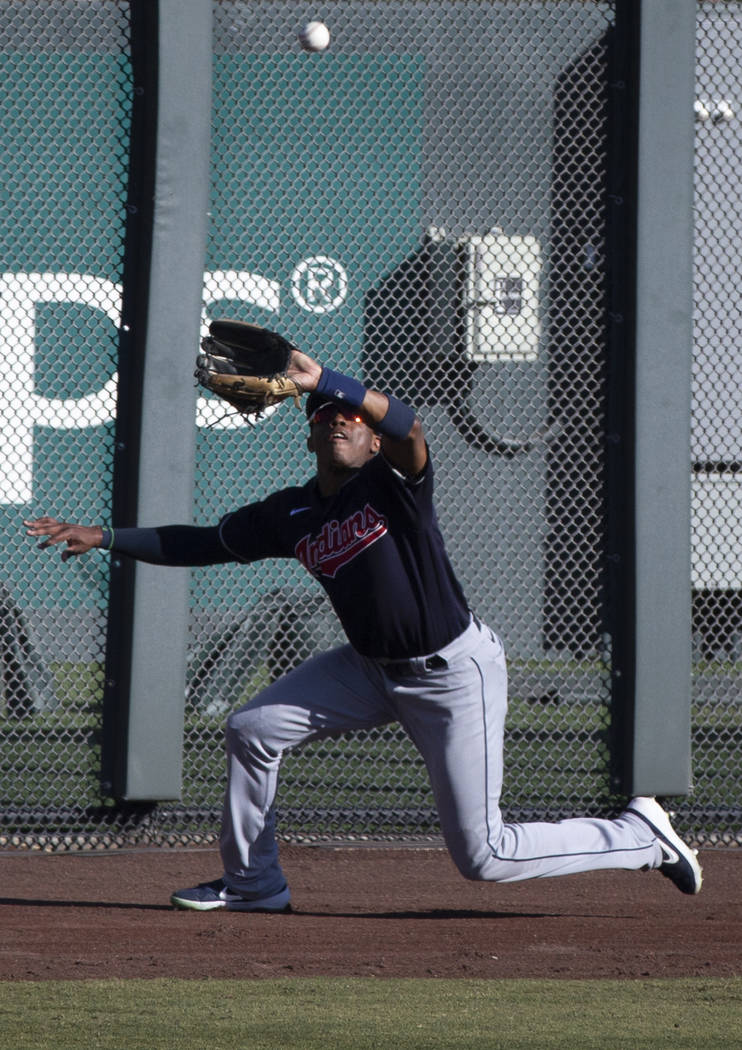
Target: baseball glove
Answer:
pixel 246 366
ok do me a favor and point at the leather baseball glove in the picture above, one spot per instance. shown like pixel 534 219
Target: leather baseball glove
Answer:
pixel 246 366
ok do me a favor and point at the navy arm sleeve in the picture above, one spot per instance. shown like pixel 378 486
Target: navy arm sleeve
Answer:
pixel 172 545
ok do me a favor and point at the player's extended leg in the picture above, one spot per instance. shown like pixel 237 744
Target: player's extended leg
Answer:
pixel 456 717
pixel 327 694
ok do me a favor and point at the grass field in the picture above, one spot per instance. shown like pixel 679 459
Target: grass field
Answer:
pixel 370 1014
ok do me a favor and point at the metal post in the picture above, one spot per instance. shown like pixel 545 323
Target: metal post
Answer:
pixel 663 300
pixel 156 439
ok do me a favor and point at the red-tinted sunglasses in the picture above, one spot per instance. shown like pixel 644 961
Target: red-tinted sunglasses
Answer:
pixel 326 414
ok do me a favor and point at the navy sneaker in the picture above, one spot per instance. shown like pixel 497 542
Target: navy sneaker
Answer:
pixel 680 863
pixel 208 896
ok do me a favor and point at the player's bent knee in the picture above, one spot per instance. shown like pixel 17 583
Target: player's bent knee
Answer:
pixel 471 868
pixel 252 739
pixel 473 859
pixel 237 724
pixel 242 730
pixel 487 867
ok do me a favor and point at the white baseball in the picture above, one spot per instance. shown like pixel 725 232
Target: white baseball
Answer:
pixel 315 36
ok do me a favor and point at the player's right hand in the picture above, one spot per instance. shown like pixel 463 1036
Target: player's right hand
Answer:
pixel 304 370
pixel 79 539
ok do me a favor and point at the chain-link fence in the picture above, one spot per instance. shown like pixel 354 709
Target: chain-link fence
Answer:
pixel 717 421
pixel 399 195
pixel 421 205
pixel 66 88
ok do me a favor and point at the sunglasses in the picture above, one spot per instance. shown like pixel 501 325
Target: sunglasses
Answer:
pixel 326 414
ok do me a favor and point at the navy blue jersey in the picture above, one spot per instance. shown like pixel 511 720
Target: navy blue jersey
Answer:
pixel 376 548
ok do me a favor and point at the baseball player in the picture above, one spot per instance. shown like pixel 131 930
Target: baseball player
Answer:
pixel 365 527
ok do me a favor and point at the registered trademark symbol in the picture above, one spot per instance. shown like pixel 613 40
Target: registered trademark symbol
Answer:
pixel 319 284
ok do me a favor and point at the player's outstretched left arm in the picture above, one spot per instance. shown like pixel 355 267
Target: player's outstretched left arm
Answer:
pixel 402 437
pixel 159 545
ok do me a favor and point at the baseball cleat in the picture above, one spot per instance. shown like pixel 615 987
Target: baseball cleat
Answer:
pixel 680 862
pixel 208 896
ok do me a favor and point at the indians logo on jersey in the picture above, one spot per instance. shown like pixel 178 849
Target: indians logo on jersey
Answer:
pixel 339 542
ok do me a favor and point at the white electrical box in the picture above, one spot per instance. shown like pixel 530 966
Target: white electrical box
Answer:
pixel 716 520
pixel 501 297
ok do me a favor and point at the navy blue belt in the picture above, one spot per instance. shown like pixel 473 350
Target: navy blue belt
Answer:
pixel 430 663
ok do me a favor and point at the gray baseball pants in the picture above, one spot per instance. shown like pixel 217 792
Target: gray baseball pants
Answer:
pixel 453 708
